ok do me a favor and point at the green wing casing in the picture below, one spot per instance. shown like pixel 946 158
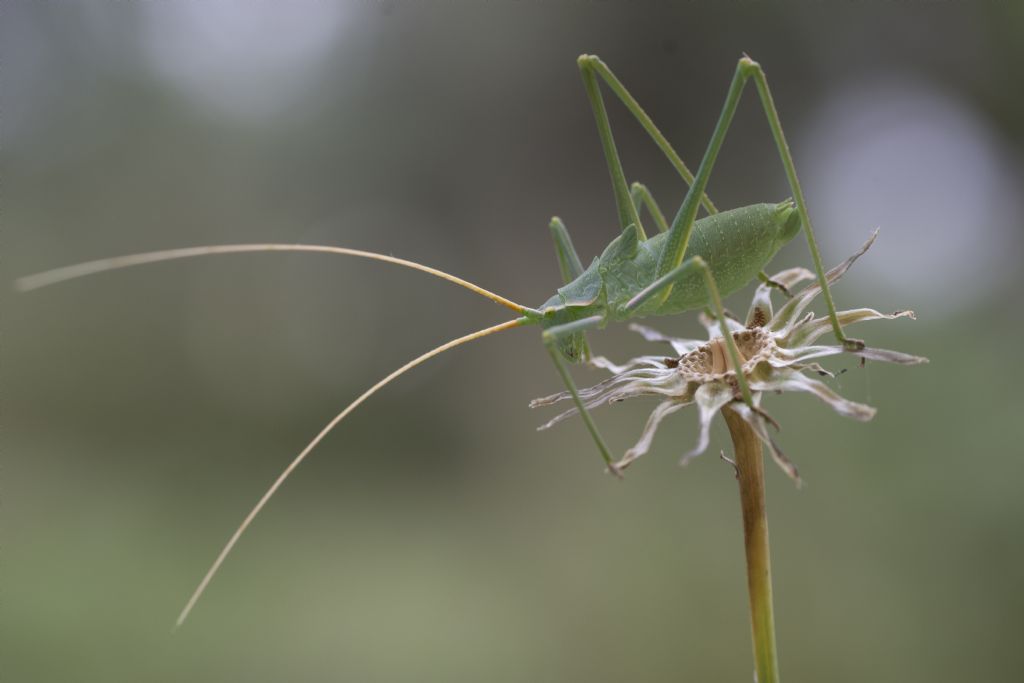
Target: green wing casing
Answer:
pixel 736 244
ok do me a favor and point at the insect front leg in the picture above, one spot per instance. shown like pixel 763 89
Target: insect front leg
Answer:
pixel 568 261
pixel 550 338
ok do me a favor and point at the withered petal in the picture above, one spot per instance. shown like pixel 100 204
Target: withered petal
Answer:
pixel 709 399
pixel 761 306
pixel 806 331
pixel 714 328
pixel 757 423
pixel 890 356
pixel 663 409
pixel 795 306
pixel 794 381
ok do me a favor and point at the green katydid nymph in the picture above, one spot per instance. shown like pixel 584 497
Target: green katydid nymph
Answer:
pixel 688 265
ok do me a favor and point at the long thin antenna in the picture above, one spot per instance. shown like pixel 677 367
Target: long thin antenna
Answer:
pixel 316 440
pixel 51 277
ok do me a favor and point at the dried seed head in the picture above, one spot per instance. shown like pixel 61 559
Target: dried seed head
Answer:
pixel 776 348
pixel 711 361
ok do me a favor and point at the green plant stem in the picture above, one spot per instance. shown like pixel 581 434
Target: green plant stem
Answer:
pixel 750 473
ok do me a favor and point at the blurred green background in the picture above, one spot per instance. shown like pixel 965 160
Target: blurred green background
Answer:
pixel 436 536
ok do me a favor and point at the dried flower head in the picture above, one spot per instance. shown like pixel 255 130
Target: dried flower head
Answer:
pixel 778 353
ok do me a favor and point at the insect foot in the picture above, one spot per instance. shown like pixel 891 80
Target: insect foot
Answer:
pixel 614 469
pixel 854 345
pixel 777 351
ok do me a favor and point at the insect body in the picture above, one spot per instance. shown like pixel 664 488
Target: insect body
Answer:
pixel 686 266
pixel 628 265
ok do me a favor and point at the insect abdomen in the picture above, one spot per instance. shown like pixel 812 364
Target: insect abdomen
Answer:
pixel 736 244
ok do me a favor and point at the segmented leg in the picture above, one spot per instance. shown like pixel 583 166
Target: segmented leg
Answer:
pixel 642 197
pixel 550 337
pixel 590 65
pixel 627 210
pixel 568 261
pixel 682 225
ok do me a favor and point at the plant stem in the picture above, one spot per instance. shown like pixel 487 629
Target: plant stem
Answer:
pixel 750 473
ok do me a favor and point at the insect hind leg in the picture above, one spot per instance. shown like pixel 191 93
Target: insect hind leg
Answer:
pixel 591 66
pixel 682 226
pixel 751 69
